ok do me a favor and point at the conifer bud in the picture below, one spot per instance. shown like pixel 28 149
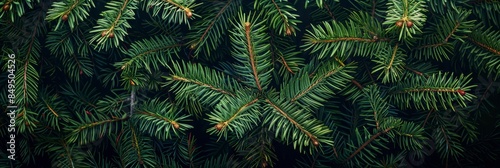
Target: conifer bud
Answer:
pixel 399 23
pixel 176 125
pixel 219 126
pixel 103 34
pixel 64 17
pixel 189 14
pixel 247 26
pixel 409 24
pixel 111 35
pixel 289 30
pixel 461 92
pixel 315 142
pixel 6 7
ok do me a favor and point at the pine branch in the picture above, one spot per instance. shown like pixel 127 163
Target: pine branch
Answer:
pixel 158 50
pixel 251 50
pixel 91 126
pixel 208 85
pixel 390 63
pixel 51 109
pixel 206 34
pixel 284 54
pixel 405 18
pixel 236 115
pixel 133 149
pixel 372 138
pixel 160 119
pixel 27 77
pixel 482 47
pixel 14 9
pixel 256 148
pixel 63 154
pixel 111 29
pixel 300 88
pixel 292 124
pixel 176 12
pixel 280 15
pixel 439 91
pixel 343 39
pixel 70 11
pixel 331 11
pixel 439 42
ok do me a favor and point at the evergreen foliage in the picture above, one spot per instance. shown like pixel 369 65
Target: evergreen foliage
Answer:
pixel 264 83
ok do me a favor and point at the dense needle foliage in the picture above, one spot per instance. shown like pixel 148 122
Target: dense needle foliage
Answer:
pixel 240 83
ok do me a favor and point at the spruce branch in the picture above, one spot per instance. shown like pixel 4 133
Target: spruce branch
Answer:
pixel 232 73
pixel 70 11
pixel 111 29
pixel 372 138
pixel 177 12
pixel 280 15
pixel 149 54
pixel 91 126
pixel 390 63
pixel 209 86
pixel 206 34
pixel 312 93
pixel 439 42
pixel 284 55
pixel 235 115
pixel 292 124
pixel 439 91
pixel 482 47
pixel 334 38
pixel 134 150
pixel 405 18
pixel 251 51
pixel 155 115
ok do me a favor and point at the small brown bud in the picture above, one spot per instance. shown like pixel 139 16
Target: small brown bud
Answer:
pixel 176 125
pixel 219 126
pixel 189 14
pixel 6 7
pixel 315 142
pixel 81 72
pixel 461 92
pixel 409 24
pixel 399 23
pixel 289 30
pixel 64 17
pixel 111 35
pixel 103 34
